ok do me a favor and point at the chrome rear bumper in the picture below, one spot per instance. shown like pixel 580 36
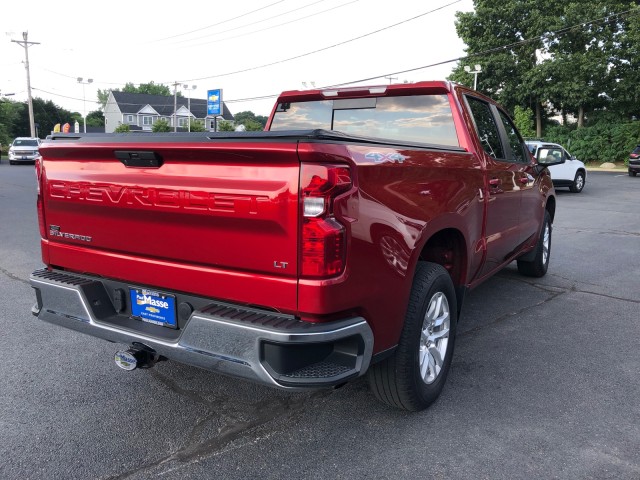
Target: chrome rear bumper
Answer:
pixel 262 346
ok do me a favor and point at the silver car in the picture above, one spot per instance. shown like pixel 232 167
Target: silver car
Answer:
pixel 24 149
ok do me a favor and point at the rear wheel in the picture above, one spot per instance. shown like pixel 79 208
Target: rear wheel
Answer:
pixel 540 263
pixel 413 377
pixel 632 173
pixel 578 183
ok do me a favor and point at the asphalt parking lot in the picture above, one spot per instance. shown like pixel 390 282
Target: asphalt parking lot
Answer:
pixel 545 381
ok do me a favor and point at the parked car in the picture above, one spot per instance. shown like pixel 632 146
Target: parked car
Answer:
pixel 634 161
pixel 571 173
pixel 24 149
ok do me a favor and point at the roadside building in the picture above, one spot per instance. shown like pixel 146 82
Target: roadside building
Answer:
pixel 140 111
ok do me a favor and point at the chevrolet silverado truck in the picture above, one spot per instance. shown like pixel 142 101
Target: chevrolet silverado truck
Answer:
pixel 338 242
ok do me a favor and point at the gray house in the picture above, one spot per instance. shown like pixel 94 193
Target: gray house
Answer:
pixel 140 111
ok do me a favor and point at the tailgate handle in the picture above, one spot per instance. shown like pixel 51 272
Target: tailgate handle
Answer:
pixel 139 158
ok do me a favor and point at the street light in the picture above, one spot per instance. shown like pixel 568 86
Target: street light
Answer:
pixel 84 102
pixel 477 69
pixel 186 87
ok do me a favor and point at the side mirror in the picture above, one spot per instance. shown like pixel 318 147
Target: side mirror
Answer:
pixel 549 156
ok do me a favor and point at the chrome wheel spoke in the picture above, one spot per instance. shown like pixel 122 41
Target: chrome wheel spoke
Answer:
pixel 434 337
pixel 424 364
pixel 437 358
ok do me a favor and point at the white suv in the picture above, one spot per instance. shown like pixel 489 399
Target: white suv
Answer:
pixel 24 149
pixel 572 173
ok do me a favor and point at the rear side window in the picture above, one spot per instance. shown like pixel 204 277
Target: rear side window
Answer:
pixel 416 119
pixel 515 140
pixel 486 127
pixel 636 150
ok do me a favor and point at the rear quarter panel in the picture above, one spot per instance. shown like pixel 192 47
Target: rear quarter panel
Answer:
pixel 401 197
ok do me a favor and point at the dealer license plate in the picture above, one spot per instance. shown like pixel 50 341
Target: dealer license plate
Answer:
pixel 153 307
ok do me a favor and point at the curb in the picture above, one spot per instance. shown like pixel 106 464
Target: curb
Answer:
pixel 614 170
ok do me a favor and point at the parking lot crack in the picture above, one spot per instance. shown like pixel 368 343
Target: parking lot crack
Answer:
pixel 263 413
pixel 509 315
pixel 12 276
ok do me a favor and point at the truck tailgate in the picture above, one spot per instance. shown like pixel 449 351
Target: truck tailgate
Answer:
pixel 212 217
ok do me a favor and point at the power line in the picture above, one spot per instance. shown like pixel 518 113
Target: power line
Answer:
pixel 312 52
pixel 58 95
pixel 252 23
pixel 271 27
pixel 634 11
pixel 324 48
pixel 631 12
pixel 219 23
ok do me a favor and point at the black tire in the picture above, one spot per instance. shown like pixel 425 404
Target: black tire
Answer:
pixel 632 173
pixel 578 182
pixel 11 162
pixel 540 263
pixel 398 380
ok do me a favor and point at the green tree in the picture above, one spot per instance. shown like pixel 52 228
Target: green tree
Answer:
pixel 253 126
pixel 95 119
pixel 150 88
pixel 224 126
pixel 122 128
pixel 523 118
pixel 10 115
pixel 103 97
pixel 46 115
pixel 503 38
pixel 242 118
pixel 578 70
pixel 553 57
pixel 197 125
pixel 161 125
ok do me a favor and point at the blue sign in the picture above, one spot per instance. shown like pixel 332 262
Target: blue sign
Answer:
pixel 153 307
pixel 214 102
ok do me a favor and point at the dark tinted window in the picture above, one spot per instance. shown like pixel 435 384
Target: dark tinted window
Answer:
pixel 636 150
pixel 419 118
pixel 25 143
pixel 515 140
pixel 486 127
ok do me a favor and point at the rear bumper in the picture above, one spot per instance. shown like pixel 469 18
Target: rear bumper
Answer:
pixel 261 346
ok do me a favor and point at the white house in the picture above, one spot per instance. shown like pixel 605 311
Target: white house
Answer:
pixel 140 111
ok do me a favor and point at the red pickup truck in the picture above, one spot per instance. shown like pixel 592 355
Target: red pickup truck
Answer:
pixel 340 241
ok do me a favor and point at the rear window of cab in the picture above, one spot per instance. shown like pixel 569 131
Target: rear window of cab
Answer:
pixel 416 118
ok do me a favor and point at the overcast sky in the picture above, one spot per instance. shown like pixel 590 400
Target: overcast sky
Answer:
pixel 249 48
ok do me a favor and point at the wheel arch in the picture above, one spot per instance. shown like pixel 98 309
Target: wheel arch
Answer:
pixel 551 206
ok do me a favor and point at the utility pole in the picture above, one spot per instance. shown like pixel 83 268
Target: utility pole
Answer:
pixel 175 105
pixel 391 79
pixel 26 44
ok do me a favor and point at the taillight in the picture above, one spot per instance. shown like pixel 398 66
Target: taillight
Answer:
pixel 39 199
pixel 323 238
